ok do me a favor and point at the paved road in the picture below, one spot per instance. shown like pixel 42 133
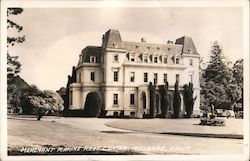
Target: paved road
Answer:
pixel 94 132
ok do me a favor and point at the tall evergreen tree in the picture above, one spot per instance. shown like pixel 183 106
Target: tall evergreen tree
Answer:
pixel 177 101
pixel 14 91
pixel 217 77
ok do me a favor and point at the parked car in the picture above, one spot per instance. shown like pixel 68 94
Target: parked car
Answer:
pixel 228 113
pixel 239 114
pixel 198 113
pixel 218 112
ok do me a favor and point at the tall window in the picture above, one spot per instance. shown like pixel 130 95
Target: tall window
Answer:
pixel 92 76
pixel 115 76
pixel 155 59
pixel 79 77
pixel 92 59
pixel 177 78
pixel 155 78
pixel 145 58
pixel 116 58
pixel 115 99
pixel 132 57
pixel 70 97
pixel 165 59
pixel 132 76
pixel 165 78
pixel 191 62
pixel 145 77
pixel 132 99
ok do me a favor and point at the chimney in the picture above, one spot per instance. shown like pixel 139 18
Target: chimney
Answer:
pixel 170 42
pixel 143 39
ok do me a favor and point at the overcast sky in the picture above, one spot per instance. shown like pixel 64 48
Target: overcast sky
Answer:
pixel 55 37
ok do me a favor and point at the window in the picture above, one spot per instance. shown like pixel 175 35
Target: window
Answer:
pixel 191 62
pixel 115 76
pixel 155 59
pixel 70 98
pixel 191 78
pixel 132 99
pixel 115 99
pixel 155 78
pixel 92 76
pixel 92 59
pixel 116 58
pixel 177 78
pixel 132 57
pixel 165 59
pixel 79 77
pixel 145 77
pixel 177 61
pixel 145 58
pixel 132 76
pixel 165 78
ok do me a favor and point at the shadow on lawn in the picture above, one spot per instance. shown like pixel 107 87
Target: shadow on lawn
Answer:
pixel 24 119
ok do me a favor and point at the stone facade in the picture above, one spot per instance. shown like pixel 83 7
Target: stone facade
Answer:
pixel 120 72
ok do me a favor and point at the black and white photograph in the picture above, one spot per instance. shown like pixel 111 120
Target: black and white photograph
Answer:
pixel 125 80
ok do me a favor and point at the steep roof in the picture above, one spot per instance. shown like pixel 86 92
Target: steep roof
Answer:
pixel 92 51
pixel 112 39
pixel 188 45
pixel 150 48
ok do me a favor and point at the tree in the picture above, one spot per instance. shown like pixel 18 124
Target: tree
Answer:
pixel 27 107
pixel 152 99
pixel 216 79
pixel 217 71
pixel 92 105
pixel 14 92
pixel 11 24
pixel 45 102
pixel 235 91
pixel 188 98
pixel 13 65
pixel 177 101
pixel 164 99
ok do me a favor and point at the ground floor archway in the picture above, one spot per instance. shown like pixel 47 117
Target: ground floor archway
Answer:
pixel 92 105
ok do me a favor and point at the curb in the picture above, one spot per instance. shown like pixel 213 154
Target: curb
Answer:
pixel 227 136
pixel 207 135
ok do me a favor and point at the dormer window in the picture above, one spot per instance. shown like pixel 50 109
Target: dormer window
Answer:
pixel 165 59
pixel 155 59
pixel 177 61
pixel 116 58
pixel 191 62
pixel 92 59
pixel 132 57
pixel 145 58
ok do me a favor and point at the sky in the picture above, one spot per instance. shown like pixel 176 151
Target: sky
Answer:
pixel 56 36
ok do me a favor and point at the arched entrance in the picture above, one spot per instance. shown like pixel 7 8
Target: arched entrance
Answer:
pixel 92 105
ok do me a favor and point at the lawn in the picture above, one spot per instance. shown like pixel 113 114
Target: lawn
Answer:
pixel 92 136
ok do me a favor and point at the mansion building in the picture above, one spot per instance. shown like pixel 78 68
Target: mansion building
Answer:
pixel 120 73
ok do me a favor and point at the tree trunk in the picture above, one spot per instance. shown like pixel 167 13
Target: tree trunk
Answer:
pixel 40 115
